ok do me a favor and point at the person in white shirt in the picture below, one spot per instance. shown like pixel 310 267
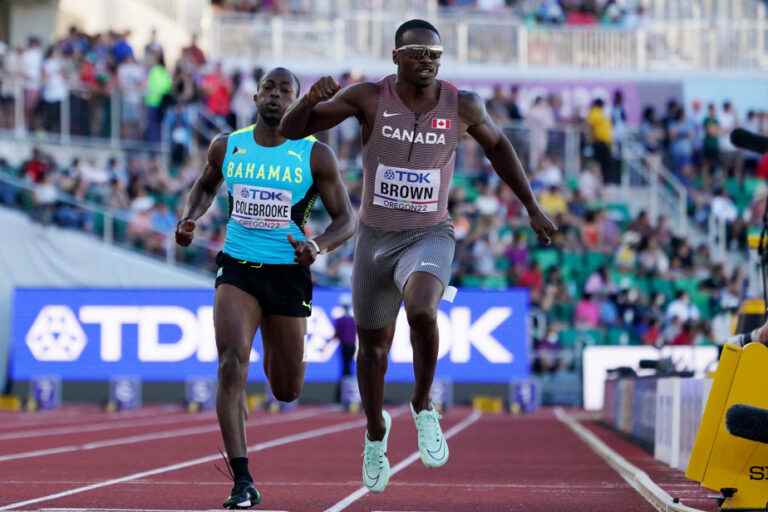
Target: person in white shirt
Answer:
pixel 728 122
pixel 31 65
pixel 55 89
pixel 131 78
pixel 723 208
pixel 682 308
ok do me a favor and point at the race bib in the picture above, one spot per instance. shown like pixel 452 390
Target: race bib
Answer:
pixel 407 189
pixel 261 207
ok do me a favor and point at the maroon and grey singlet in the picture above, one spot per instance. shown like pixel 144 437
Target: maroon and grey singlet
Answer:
pixel 408 164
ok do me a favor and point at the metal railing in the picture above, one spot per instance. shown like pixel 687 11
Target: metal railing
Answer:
pixel 109 225
pixel 686 44
pixel 648 185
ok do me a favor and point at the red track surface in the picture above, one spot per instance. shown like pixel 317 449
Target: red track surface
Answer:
pixel 498 462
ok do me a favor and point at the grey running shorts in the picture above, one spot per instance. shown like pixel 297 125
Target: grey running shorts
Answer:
pixel 383 262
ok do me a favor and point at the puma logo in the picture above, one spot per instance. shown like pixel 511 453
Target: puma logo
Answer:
pixel 293 153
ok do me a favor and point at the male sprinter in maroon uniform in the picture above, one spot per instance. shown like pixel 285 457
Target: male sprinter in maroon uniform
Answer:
pixel 411 124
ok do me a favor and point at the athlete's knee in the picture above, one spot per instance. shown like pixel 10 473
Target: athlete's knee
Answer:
pixel 232 366
pixel 286 391
pixel 421 316
pixel 372 353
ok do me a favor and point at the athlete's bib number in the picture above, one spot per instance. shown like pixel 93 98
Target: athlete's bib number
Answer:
pixel 261 207
pixel 407 189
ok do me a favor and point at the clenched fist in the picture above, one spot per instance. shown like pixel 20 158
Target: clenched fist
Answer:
pixel 305 253
pixel 322 90
pixel 185 230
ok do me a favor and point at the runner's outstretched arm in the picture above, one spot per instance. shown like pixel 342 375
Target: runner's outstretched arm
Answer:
pixel 323 107
pixel 325 171
pixel 504 159
pixel 203 191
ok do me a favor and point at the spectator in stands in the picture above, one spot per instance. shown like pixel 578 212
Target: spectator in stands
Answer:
pixel 194 53
pixel 550 12
pixel 601 133
pixel 121 48
pixel 682 308
pixel 650 131
pixel 681 135
pixel 31 67
pixel 158 88
pixel 641 225
pixel 54 90
pixel 217 90
pixel 242 104
pixel 618 118
pixel 153 49
pixel 711 142
pixel 553 201
pixel 652 259
pixel 723 208
pixel 729 121
pixel 131 79
pixel 539 120
pixel 496 105
pixel 513 108
pixel 550 173
pixel 587 313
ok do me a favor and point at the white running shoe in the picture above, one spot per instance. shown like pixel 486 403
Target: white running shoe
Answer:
pixel 375 462
pixel 433 449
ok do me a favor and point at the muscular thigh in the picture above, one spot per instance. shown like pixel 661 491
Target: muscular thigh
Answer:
pixel 283 340
pixel 375 296
pixel 431 253
pixel 236 316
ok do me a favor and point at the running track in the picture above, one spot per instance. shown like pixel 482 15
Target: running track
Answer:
pixel 159 458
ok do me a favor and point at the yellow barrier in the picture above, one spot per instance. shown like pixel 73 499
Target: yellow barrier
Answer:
pixel 488 404
pixel 10 403
pixel 736 467
pixel 255 401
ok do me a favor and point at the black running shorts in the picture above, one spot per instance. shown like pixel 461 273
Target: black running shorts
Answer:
pixel 280 289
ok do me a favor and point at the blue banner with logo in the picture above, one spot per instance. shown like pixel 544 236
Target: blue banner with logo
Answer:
pixel 167 335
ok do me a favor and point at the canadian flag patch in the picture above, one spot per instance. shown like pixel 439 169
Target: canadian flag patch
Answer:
pixel 440 123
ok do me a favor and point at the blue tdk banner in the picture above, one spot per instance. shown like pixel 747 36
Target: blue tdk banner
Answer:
pixel 167 334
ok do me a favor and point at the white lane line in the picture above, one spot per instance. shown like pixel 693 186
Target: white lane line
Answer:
pixel 362 491
pixel 96 427
pixel 74 416
pixel 132 510
pixel 153 436
pixel 280 441
pixel 599 488
pixel 635 477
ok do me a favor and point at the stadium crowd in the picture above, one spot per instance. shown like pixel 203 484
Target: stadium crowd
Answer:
pixel 609 277
pixel 616 13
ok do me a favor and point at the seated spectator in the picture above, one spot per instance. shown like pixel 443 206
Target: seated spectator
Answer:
pixel 682 308
pixel 587 312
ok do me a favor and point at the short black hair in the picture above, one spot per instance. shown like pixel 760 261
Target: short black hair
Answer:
pixel 410 25
pixel 293 75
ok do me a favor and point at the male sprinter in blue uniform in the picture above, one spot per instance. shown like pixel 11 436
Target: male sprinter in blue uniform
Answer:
pixel 263 278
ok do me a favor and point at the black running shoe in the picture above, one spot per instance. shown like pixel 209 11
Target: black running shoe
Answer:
pixel 244 495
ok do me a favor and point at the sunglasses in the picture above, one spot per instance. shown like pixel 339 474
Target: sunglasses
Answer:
pixel 419 51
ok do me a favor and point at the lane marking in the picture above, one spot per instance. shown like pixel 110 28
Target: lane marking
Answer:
pixel 75 416
pixel 634 476
pixel 153 436
pixel 280 441
pixel 96 427
pixel 362 491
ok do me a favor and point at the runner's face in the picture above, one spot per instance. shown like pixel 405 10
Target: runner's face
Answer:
pixel 417 61
pixel 277 91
